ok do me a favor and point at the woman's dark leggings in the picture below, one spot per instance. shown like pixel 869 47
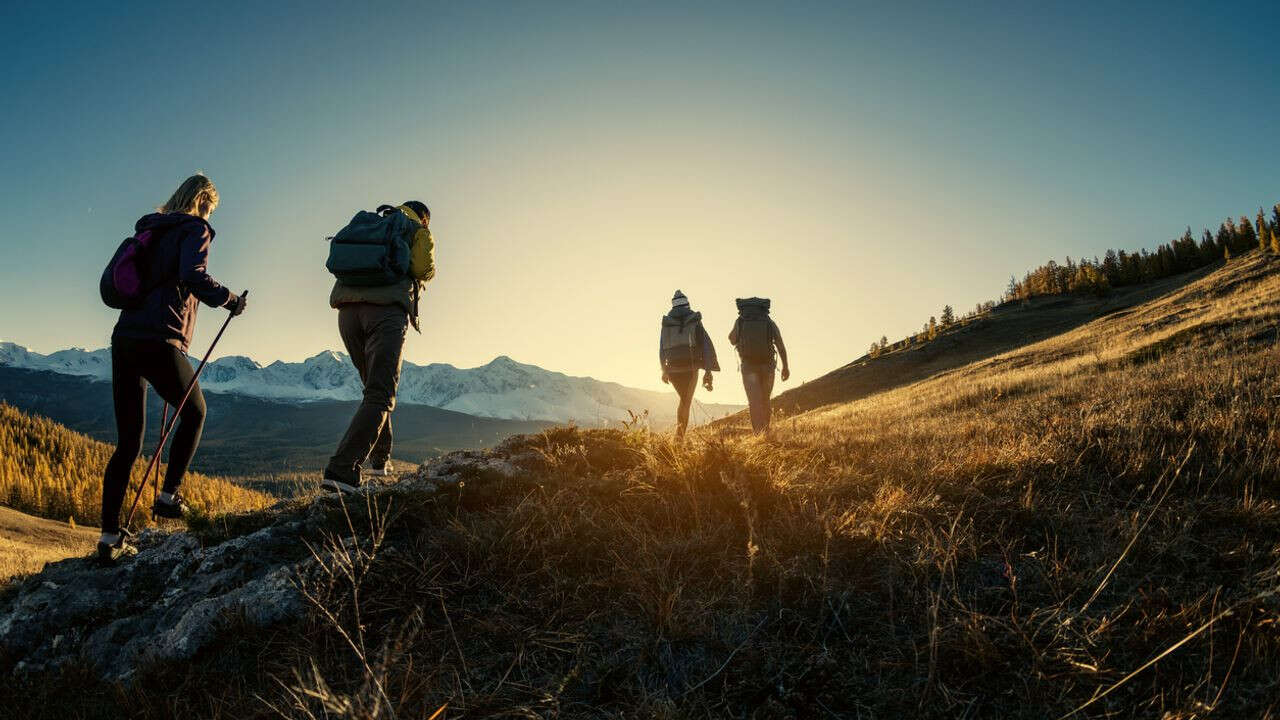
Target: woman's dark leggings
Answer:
pixel 134 364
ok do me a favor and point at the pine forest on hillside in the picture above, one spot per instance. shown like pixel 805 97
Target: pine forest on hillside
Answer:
pixel 50 471
pixel 1117 268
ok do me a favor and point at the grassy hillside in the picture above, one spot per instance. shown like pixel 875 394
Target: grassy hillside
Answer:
pixel 52 472
pixel 1085 525
pixel 244 435
pixel 1001 329
pixel 27 543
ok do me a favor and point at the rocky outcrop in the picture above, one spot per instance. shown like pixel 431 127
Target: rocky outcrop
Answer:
pixel 178 593
pixel 164 604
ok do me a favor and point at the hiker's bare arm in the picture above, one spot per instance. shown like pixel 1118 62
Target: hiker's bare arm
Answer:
pixel 782 352
pixel 422 261
pixel 733 334
pixel 193 271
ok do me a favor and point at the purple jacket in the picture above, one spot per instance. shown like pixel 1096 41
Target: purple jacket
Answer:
pixel 178 268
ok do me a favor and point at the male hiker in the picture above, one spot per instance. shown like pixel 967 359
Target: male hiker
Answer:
pixel 683 348
pixel 756 336
pixel 381 261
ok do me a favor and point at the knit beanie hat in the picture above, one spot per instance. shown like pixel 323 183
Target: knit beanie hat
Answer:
pixel 679 300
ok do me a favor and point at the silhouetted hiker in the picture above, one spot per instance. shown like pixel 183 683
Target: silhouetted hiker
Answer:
pixel 683 348
pixel 756 336
pixel 149 345
pixel 381 260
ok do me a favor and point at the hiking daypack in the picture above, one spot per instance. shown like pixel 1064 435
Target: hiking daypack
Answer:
pixel 680 347
pixel 373 249
pixel 122 283
pixel 755 336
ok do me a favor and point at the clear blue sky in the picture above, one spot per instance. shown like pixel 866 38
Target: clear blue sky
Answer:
pixel 863 165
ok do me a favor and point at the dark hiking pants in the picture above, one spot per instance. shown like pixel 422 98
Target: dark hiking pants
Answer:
pixel 374 338
pixel 757 380
pixel 686 384
pixel 134 364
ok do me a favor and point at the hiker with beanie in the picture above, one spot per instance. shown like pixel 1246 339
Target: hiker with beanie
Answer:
pixel 149 346
pixel 756 337
pixel 381 261
pixel 684 347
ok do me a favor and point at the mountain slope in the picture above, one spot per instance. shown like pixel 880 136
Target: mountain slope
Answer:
pixel 1005 328
pixel 1082 526
pixel 502 389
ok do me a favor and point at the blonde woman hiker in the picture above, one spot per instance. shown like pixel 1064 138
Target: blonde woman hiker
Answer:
pixel 381 260
pixel 149 347
pixel 684 348
pixel 757 338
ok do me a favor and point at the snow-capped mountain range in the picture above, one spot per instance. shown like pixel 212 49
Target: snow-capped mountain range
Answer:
pixel 502 389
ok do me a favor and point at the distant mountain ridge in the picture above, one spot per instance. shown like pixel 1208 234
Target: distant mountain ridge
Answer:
pixel 502 389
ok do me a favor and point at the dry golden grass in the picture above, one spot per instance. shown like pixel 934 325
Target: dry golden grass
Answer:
pixel 52 472
pixel 1012 539
pixel 1086 526
pixel 27 543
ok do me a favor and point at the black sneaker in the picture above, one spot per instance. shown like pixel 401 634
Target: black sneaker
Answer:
pixel 334 485
pixel 175 510
pixel 117 551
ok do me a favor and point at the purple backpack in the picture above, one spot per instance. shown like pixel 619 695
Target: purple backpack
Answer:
pixel 122 284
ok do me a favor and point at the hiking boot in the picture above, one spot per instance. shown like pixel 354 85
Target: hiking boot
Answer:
pixel 380 471
pixel 112 553
pixel 334 485
pixel 175 510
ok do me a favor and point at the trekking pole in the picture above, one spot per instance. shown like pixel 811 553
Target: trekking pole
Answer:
pixel 164 426
pixel 177 410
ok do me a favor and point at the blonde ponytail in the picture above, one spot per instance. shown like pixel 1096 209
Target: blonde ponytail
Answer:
pixel 195 196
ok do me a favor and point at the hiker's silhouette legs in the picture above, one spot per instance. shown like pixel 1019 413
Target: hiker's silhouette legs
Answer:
pixel 686 384
pixel 134 364
pixel 381 453
pixel 374 337
pixel 757 380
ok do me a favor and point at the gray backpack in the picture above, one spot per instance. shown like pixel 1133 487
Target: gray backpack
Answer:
pixel 680 347
pixel 755 332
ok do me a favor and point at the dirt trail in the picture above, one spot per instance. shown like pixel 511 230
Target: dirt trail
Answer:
pixel 27 543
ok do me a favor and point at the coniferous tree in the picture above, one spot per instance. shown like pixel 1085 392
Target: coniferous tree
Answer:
pixel 948 316
pixel 1275 240
pixel 1248 238
pixel 1260 227
pixel 1208 248
pixel 1111 267
pixel 1225 236
pixel 1185 254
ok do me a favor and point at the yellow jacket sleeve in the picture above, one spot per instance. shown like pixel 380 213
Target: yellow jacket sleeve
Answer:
pixel 422 262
